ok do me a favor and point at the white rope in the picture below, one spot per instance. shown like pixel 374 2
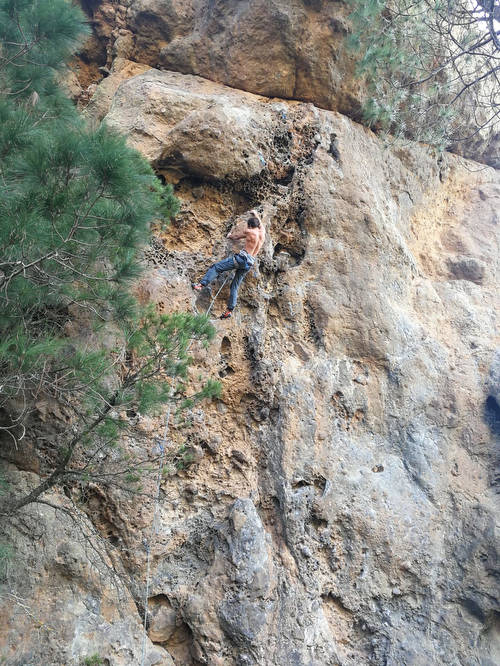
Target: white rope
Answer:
pixel 154 525
pixel 215 297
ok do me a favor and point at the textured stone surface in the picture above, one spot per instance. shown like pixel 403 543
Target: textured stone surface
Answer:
pixel 360 388
pixel 100 101
pixel 179 122
pixel 271 47
pixel 64 599
pixel 343 509
pixel 279 48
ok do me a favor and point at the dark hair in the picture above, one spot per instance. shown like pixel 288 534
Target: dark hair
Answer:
pixel 253 222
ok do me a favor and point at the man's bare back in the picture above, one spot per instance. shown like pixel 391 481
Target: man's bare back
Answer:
pixel 254 240
pixel 254 237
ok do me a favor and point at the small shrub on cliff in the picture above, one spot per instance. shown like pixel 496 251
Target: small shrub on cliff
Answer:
pixel 76 205
pixel 93 660
pixel 431 66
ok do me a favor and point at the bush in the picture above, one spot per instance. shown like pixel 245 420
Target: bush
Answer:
pixel 431 67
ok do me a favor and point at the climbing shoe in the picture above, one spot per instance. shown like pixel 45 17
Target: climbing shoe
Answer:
pixel 226 314
pixel 197 286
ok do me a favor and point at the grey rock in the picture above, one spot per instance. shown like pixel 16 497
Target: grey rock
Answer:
pixel 248 548
pixel 467 268
pixel 243 621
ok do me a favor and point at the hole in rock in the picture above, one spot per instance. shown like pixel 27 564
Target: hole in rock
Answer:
pixel 334 149
pixel 167 628
pixel 250 351
pixel 89 6
pixel 301 483
pixel 283 141
pixel 225 346
pixel 287 179
pixel 277 249
pixel 318 521
pixel 156 253
pixel 320 482
pixel 492 414
pixel 296 253
pixel 473 608
pixel 228 370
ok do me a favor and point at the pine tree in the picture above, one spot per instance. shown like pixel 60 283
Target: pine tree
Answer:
pixel 431 67
pixel 76 207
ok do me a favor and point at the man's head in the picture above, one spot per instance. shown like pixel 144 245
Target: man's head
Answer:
pixel 253 222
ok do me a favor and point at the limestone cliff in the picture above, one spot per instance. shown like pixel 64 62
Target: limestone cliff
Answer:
pixel 339 505
pixel 291 49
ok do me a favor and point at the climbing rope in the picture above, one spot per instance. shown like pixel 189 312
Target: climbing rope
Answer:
pixel 215 297
pixel 154 525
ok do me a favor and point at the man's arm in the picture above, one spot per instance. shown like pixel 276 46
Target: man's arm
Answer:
pixel 238 232
pixel 237 235
pixel 242 232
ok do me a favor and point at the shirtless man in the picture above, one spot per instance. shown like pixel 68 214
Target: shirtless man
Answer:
pixel 254 235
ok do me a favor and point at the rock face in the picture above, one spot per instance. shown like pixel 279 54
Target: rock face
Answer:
pixel 178 122
pixel 339 504
pixel 235 42
pixel 291 49
pixel 64 600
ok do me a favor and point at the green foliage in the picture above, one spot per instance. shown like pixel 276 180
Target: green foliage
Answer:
pixel 425 63
pixel 183 458
pixel 76 208
pixel 37 39
pixel 93 660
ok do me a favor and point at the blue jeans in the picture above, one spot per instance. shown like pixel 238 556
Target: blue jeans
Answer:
pixel 237 262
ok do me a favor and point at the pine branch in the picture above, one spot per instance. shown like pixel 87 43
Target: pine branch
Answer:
pixel 60 470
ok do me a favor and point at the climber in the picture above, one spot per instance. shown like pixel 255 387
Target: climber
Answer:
pixel 254 235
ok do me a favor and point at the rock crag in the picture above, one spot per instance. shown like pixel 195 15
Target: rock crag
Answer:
pixel 338 503
pixel 293 49
pixel 233 43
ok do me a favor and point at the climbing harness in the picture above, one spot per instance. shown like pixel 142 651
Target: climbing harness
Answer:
pixel 154 525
